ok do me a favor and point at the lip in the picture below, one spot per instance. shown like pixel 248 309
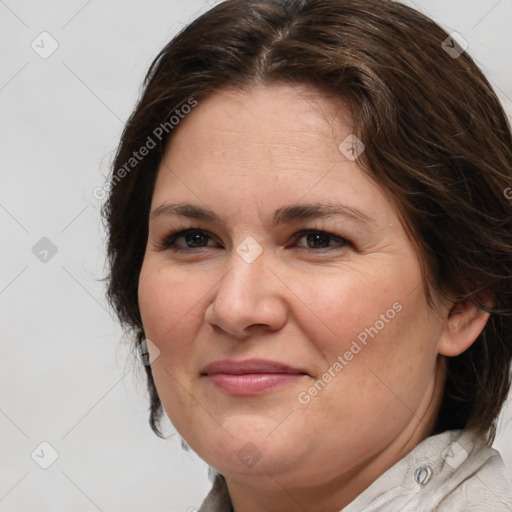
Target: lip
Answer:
pixel 250 376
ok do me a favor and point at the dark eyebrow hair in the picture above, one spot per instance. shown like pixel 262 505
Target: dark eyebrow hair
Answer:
pixel 284 215
pixel 189 210
pixel 314 211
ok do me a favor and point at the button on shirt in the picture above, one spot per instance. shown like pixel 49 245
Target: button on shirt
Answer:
pixel 450 472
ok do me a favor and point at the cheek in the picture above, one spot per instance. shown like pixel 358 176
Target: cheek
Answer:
pixel 384 334
pixel 337 309
pixel 169 306
pixel 387 363
pixel 154 301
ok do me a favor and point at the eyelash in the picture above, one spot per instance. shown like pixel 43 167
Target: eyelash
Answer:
pixel 168 243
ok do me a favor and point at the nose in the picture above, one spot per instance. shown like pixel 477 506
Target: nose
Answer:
pixel 248 300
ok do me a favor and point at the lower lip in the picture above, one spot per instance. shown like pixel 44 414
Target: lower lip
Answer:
pixel 252 383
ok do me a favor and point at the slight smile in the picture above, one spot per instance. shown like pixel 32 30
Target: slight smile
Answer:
pixel 250 376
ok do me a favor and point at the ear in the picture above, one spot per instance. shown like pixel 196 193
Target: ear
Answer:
pixel 462 326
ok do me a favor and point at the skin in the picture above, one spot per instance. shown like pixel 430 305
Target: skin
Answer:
pixel 244 155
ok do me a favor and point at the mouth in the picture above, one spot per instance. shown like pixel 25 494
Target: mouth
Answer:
pixel 250 377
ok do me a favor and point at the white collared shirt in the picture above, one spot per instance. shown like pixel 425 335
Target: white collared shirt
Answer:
pixel 450 472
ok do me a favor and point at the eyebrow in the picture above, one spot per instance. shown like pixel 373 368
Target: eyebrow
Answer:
pixel 284 215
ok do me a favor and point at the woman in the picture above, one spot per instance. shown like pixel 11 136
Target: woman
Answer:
pixel 308 232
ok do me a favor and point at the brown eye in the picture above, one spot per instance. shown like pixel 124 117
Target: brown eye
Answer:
pixel 193 239
pixel 317 240
pixel 196 239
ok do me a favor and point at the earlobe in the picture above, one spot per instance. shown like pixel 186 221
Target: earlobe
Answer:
pixel 463 325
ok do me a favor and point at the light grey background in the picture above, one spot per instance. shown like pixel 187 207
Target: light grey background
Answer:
pixel 67 379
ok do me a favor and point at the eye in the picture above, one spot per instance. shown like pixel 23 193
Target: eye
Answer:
pixel 320 240
pixel 316 241
pixel 193 238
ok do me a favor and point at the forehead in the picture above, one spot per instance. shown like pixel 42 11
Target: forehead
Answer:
pixel 265 118
pixel 266 146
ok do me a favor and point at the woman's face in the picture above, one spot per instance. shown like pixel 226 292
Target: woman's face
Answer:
pixel 318 323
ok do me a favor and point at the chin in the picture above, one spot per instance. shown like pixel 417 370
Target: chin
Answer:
pixel 250 450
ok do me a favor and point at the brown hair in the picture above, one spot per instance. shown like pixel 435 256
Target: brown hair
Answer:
pixel 436 139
